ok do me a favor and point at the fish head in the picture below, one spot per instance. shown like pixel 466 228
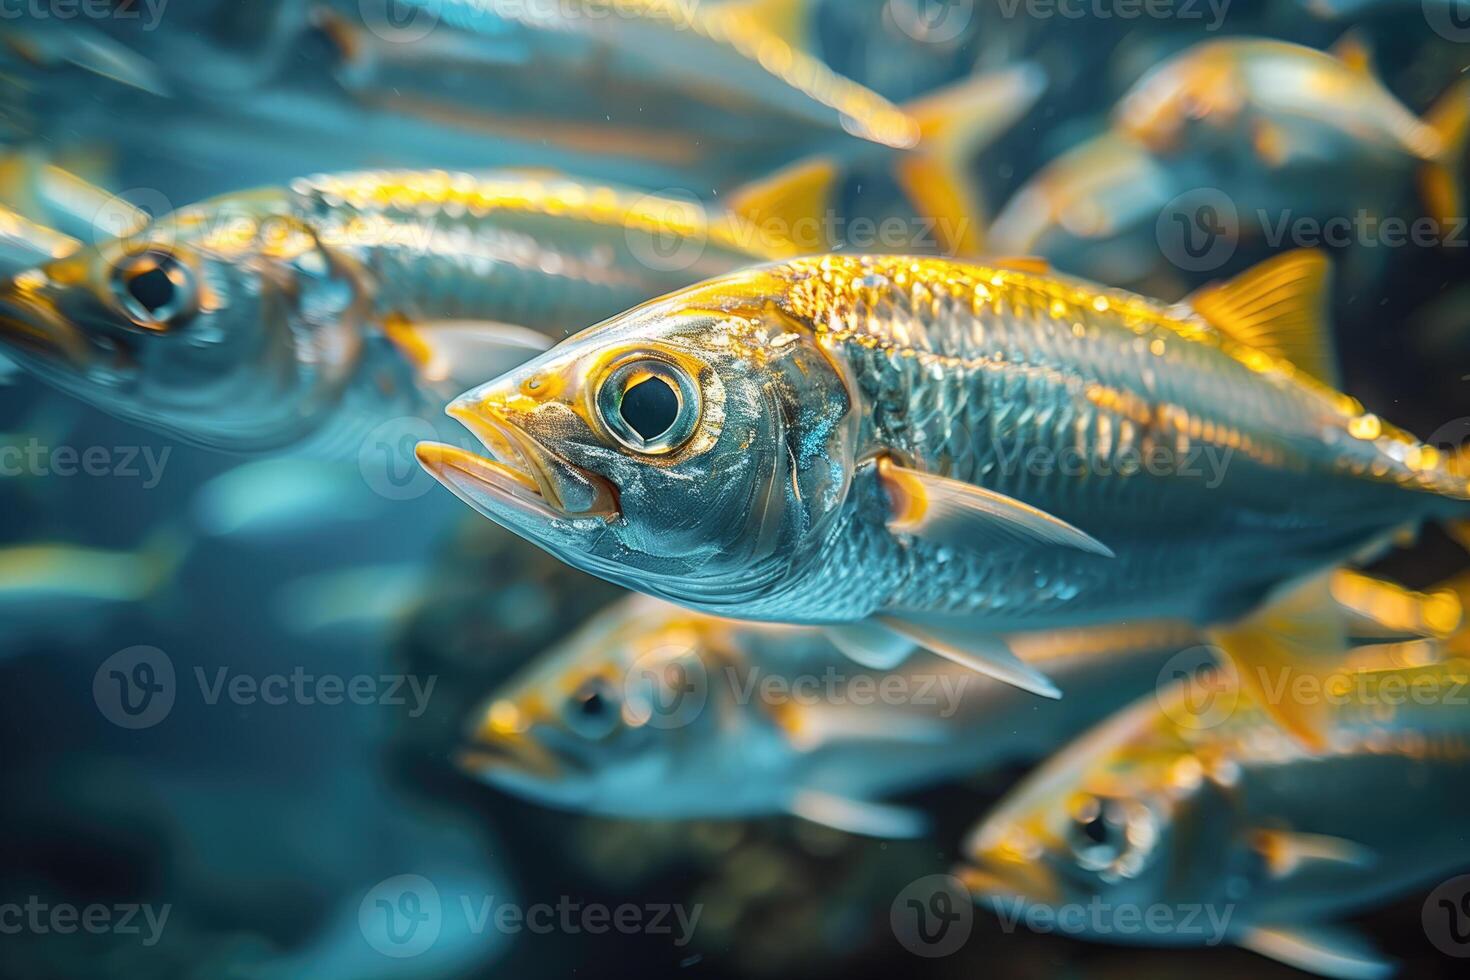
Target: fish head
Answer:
pixel 1196 92
pixel 695 448
pixel 226 324
pixel 626 717
pixel 1130 816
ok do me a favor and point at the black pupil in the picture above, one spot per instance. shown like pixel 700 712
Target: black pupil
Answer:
pixel 593 705
pixel 650 407
pixel 1097 830
pixel 152 289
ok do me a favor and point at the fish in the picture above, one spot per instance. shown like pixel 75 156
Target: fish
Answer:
pixel 53 589
pixel 921 453
pixel 279 499
pixel 651 711
pixel 1171 806
pixel 25 243
pixel 356 601
pixel 1093 211
pixel 302 316
pixel 719 90
pixel 1314 127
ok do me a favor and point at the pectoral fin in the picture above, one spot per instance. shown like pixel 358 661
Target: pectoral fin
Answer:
pixel 963 515
pixel 460 354
pixel 984 653
pixel 1324 950
pixel 1285 851
pixel 870 644
pixel 858 816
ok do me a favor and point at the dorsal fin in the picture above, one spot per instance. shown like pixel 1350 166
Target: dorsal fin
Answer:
pixel 1280 308
pixel 1352 50
pixel 791 203
pixel 1023 263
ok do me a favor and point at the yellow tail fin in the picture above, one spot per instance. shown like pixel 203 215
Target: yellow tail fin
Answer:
pixel 1439 180
pixel 955 123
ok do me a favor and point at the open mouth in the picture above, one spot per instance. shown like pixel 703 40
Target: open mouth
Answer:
pixel 521 474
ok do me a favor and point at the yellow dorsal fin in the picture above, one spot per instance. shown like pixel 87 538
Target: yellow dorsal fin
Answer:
pixel 791 203
pixel 1352 50
pixel 1033 264
pixel 1279 307
pixel 789 20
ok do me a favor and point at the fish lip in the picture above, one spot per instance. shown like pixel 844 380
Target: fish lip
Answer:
pixel 35 330
pixel 515 473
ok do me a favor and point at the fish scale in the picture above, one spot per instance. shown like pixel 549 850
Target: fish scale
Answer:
pixel 1063 367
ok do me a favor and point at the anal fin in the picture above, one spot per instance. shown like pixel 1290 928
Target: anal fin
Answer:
pixel 981 652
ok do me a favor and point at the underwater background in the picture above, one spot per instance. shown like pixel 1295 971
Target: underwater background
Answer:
pixel 270 832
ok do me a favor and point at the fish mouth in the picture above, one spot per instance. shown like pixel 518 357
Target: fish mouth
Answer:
pixel 994 881
pixel 521 474
pixel 35 330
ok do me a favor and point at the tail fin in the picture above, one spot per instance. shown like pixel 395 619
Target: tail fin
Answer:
pixel 1440 179
pixel 790 207
pixel 954 124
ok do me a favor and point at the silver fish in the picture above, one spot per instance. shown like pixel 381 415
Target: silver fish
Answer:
pixel 269 319
pixel 923 453
pixel 652 711
pixel 1205 823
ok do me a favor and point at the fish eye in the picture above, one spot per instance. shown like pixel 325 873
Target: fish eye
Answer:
pixel 1098 833
pixel 155 289
pixel 593 710
pixel 649 405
